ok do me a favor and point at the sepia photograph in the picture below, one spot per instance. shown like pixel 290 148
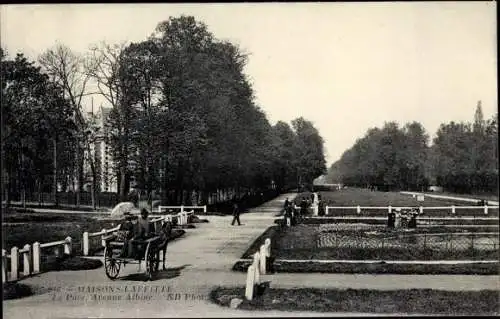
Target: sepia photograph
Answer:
pixel 272 159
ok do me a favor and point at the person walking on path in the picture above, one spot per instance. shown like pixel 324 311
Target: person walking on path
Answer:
pixel 287 203
pixel 236 215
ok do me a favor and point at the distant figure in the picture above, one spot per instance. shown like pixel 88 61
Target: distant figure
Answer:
pixel 391 219
pixel 303 207
pixel 236 215
pixel 321 208
pixel 287 203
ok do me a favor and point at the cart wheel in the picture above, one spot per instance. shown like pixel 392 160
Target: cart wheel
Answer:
pixel 152 262
pixel 111 265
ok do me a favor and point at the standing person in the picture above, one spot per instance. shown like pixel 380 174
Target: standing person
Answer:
pixel 303 207
pixel 236 214
pixel 287 203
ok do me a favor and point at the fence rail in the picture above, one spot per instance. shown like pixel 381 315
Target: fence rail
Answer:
pixel 182 207
pixel 453 209
pixel 31 258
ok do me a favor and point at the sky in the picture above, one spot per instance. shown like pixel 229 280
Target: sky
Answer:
pixel 346 67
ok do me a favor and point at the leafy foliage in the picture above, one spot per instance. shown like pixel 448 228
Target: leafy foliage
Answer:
pixel 462 158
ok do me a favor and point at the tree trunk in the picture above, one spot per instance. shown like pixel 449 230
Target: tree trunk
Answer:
pixel 93 185
pixel 7 190
pixel 78 180
pixel 54 186
pixel 123 183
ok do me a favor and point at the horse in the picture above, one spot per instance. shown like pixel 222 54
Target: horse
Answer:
pixel 164 233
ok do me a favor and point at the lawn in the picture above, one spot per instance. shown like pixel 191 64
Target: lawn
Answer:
pixel 27 227
pixel 411 301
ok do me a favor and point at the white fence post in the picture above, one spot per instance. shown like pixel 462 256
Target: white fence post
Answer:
pixel 4 266
pixel 358 209
pixel 205 209
pixel 68 246
pixel 86 243
pixel 421 209
pixel 14 263
pixel 182 208
pixel 453 209
pixel 103 242
pixel 262 259
pixel 256 260
pixel 486 209
pixel 26 260
pixel 390 208
pixel 36 257
pixel 250 282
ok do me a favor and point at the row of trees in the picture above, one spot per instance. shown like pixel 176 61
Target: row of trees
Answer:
pixel 183 119
pixel 463 157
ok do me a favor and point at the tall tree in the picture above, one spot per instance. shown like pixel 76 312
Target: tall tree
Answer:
pixel 104 67
pixel 67 69
pixel 310 162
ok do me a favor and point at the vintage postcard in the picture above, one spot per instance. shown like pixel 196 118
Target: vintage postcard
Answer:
pixel 249 159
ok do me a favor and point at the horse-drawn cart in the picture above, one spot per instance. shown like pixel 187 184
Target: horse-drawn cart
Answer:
pixel 147 250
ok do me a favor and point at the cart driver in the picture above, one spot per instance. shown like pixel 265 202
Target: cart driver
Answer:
pixel 143 233
pixel 126 232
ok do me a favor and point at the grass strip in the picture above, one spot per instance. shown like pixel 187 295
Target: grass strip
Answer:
pixel 411 301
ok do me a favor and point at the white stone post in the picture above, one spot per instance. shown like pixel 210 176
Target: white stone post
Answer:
pixel 68 246
pixel 486 209
pixel 14 263
pixel 268 247
pixel 288 221
pixel 36 257
pixel 358 209
pixel 421 209
pixel 86 243
pixel 256 260
pixel 103 242
pixel 205 209
pixel 390 208
pixel 4 266
pixel 453 209
pixel 182 209
pixel 250 282
pixel 262 259
pixel 26 260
